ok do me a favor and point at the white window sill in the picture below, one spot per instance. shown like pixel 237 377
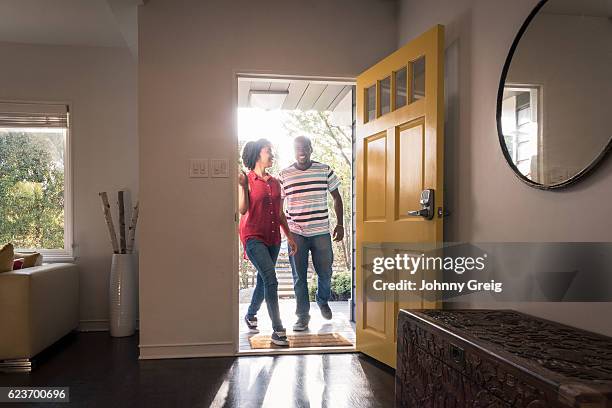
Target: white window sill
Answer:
pixel 51 255
pixel 59 259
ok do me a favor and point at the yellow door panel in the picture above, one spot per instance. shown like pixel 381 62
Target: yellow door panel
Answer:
pixel 375 159
pixel 409 160
pixel 400 145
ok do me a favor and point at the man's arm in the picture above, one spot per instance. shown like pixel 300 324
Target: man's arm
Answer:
pixel 339 210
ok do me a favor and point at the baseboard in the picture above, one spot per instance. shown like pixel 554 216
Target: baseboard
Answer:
pixel 186 350
pixel 96 325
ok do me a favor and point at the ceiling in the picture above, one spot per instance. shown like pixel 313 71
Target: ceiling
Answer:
pixel 107 23
pixel 301 94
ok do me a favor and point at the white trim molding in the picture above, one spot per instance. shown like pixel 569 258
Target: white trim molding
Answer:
pixel 186 350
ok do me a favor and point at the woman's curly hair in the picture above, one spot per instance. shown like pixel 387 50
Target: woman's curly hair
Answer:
pixel 251 151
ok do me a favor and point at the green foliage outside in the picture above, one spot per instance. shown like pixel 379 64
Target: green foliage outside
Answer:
pixel 247 272
pixel 32 189
pixel 340 287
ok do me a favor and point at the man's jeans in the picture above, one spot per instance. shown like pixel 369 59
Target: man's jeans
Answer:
pixel 322 258
pixel 264 257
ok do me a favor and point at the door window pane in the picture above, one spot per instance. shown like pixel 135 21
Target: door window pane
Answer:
pixel 370 105
pixel 418 80
pixel 400 87
pixel 385 95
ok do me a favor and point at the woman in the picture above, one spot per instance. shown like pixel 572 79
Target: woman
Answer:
pixel 259 198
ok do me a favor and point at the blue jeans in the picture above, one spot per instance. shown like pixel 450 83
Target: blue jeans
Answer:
pixel 264 257
pixel 322 258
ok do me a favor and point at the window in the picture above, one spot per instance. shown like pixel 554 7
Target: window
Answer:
pixel 521 128
pixel 35 210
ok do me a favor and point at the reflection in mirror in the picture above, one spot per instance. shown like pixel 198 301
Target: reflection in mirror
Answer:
pixel 520 124
pixel 555 108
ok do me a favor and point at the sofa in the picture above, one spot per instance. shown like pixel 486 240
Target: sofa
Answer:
pixel 38 306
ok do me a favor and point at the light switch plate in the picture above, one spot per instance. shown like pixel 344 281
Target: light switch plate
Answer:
pixel 219 168
pixel 198 168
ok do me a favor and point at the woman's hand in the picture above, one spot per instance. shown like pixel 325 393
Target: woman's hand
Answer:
pixel 292 245
pixel 242 179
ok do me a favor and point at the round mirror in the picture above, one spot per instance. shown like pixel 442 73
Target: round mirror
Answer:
pixel 554 104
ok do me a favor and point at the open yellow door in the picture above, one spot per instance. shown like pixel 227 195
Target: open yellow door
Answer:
pixel 400 151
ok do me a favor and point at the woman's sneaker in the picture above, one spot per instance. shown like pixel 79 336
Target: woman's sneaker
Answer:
pixel 280 338
pixel 251 322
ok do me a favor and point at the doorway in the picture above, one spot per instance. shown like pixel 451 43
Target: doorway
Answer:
pixel 280 109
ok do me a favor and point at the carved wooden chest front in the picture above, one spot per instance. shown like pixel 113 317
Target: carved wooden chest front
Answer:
pixel 499 358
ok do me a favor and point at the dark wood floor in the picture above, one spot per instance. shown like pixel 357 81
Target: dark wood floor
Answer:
pixel 105 372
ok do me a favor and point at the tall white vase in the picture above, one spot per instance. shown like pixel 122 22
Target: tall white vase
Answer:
pixel 123 295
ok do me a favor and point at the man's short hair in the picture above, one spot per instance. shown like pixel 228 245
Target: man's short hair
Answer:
pixel 303 139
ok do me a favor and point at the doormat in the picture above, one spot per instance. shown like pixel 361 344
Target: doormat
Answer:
pixel 262 341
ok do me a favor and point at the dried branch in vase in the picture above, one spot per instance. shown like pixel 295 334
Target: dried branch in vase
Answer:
pixel 120 204
pixel 132 230
pixel 109 221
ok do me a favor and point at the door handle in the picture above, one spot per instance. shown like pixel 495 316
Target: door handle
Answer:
pixel 419 213
pixel 427 205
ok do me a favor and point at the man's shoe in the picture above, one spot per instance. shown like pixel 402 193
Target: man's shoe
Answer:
pixel 279 338
pixel 325 311
pixel 251 323
pixel 301 324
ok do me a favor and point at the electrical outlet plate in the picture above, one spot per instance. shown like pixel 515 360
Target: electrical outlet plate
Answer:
pixel 219 168
pixel 198 168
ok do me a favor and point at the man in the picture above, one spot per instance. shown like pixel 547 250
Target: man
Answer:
pixel 304 187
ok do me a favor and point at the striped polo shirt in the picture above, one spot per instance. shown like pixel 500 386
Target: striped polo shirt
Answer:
pixel 305 194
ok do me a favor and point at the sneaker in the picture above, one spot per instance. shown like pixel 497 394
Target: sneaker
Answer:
pixel 251 322
pixel 301 324
pixel 325 311
pixel 279 338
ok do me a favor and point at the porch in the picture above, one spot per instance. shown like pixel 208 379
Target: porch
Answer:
pixel 340 323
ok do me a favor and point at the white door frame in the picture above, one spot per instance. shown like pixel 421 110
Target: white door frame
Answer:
pixel 270 77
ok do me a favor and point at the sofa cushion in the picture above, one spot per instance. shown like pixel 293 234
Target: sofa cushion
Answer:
pixel 29 259
pixel 6 258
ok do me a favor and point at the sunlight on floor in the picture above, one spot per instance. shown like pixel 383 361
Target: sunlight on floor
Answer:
pixel 340 322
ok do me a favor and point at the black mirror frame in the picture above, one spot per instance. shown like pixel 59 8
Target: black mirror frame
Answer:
pixel 502 142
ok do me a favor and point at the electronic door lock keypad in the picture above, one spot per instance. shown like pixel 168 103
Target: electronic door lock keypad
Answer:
pixel 427 205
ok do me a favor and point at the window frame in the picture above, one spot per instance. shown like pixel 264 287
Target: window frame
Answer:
pixel 67 253
pixel 536 105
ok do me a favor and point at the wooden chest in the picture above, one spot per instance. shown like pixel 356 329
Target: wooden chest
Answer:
pixel 501 358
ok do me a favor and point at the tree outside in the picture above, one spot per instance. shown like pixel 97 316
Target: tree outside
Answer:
pixel 32 188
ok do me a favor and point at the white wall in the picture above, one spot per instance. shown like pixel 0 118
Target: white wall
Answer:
pixel 488 203
pixel 100 83
pixel 189 52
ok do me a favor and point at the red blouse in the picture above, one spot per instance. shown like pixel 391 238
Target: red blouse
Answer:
pixel 262 220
